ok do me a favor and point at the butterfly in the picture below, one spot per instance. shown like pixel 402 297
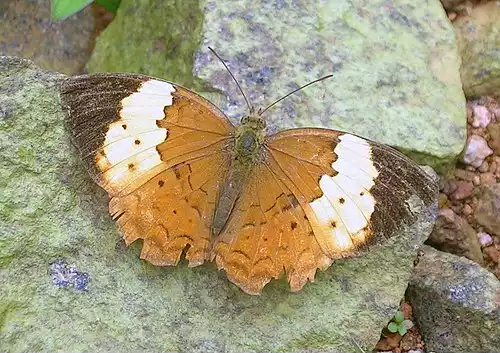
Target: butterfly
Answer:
pixel 185 180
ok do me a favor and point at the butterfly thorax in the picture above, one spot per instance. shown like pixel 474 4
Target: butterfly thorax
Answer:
pixel 249 138
pixel 247 152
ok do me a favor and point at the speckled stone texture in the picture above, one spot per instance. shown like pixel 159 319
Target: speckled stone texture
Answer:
pixel 478 36
pixel 67 283
pixel 395 63
pixel 456 304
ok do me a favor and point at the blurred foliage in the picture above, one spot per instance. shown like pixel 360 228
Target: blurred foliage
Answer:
pixel 62 9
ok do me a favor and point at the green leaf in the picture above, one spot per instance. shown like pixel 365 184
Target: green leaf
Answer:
pixel 399 317
pixel 110 5
pixel 393 327
pixel 61 9
pixel 402 330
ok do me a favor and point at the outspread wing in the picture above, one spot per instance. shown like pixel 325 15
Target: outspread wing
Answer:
pixel 160 151
pixel 317 196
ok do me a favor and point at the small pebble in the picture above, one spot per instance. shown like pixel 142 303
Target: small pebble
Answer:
pixel 467 210
pixel 448 214
pixel 492 253
pixel 464 190
pixel 494 140
pixel 442 200
pixel 483 168
pixel 407 310
pixel 481 116
pixel 488 178
pixel 493 167
pixel 465 174
pixel 442 184
pixel 484 239
pixel 477 180
pixel 476 151
pixel 450 186
pixel 457 208
pixel 496 113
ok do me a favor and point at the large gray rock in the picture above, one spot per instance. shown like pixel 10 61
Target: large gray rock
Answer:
pixel 395 64
pixel 456 304
pixel 67 283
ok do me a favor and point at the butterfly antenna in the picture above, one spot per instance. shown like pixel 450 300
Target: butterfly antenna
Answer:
pixel 295 90
pixel 234 78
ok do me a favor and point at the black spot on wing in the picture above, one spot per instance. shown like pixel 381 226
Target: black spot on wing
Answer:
pixel 177 172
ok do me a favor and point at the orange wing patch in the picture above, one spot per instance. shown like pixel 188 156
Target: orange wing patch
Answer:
pixel 268 232
pixel 169 201
pixel 171 211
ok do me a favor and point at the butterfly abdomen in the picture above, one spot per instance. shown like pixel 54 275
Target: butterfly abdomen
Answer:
pixel 230 191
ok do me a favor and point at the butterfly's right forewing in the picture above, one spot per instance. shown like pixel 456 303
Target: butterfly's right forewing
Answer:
pixel 160 151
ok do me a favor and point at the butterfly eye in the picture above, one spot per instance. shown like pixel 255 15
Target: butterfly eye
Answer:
pixel 262 124
pixel 244 120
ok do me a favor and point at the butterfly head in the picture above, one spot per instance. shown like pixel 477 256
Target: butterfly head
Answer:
pixel 254 121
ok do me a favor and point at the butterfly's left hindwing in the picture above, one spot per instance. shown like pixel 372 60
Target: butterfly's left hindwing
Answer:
pixel 158 150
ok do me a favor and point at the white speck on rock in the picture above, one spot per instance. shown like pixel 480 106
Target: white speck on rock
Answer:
pixel 476 151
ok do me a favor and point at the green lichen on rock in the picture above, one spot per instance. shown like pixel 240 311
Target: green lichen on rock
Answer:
pixel 51 211
pixel 156 38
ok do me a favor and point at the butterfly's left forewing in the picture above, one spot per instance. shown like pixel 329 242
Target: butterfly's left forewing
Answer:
pixel 160 151
pixel 367 191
